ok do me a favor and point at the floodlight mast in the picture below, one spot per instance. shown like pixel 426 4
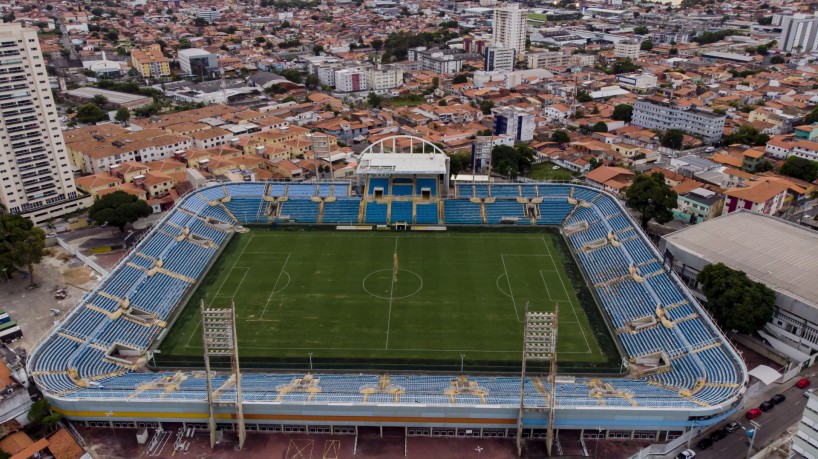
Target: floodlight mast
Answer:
pixel 539 345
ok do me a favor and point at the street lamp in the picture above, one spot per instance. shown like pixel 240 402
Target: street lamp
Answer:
pixel 598 434
pixel 310 355
pixel 752 433
pixel 462 357
pixel 108 415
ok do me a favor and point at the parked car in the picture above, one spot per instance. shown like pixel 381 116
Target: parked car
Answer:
pixel 802 383
pixel 808 391
pixel 717 434
pixel 777 398
pixel 754 413
pixel 766 406
pixel 732 427
pixel 704 443
pixel 686 454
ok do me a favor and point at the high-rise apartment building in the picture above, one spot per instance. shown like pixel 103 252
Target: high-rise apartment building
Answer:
pixel 150 62
pixel 35 174
pixel 627 49
pixel 663 114
pixel 509 28
pixel 799 33
pixel 514 122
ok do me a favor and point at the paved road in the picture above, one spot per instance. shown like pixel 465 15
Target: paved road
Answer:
pixel 773 424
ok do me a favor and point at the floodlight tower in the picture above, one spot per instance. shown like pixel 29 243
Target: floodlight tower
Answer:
pixel 539 345
pixel 219 340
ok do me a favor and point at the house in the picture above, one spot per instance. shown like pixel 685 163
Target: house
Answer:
pixel 94 183
pixel 763 196
pixel 613 179
pixel 698 205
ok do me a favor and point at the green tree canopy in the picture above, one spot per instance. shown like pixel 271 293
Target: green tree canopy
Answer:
pixel 486 106
pixel 318 49
pixel 122 115
pixel 460 78
pixel 118 209
pixel 458 163
pixel 90 113
pixel 511 161
pixel 673 138
pixel 292 75
pixel 600 126
pixel 736 302
pixel 746 135
pixel 22 244
pixel 583 96
pixel 652 198
pixel 560 137
pixel 624 66
pixel 800 168
pixel 646 45
pixel 812 117
pixel 374 100
pixel 641 30
pixel 623 112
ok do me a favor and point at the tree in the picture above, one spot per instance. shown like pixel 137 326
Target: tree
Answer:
pixel 318 49
pixel 99 100
pixel 90 113
pixel 641 30
pixel 673 138
pixel 652 198
pixel 460 78
pixel 442 103
pixel 777 59
pixel 623 112
pixel 583 96
pixel 560 137
pixel 511 161
pixel 736 302
pixel 22 244
pixel 292 75
pixel 746 135
pixel 312 81
pixel 646 45
pixel 374 100
pixel 118 209
pixel 486 106
pixel 624 66
pixel 200 22
pixel 600 126
pixel 38 411
pixel 457 163
pixel 122 115
pixel 812 117
pixel 800 168
pixel 376 44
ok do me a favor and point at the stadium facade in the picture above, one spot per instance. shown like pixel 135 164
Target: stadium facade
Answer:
pixel 683 372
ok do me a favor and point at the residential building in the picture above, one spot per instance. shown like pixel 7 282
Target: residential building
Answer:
pixel 613 179
pixel 509 28
pixel 35 170
pixel 764 196
pixel 499 59
pixel 805 442
pixel 515 122
pixel 150 62
pixel 385 77
pixel 782 147
pixel 799 32
pixel 351 80
pixel 208 14
pixel 698 205
pixel 439 60
pixel 658 113
pixel 198 62
pixel 627 49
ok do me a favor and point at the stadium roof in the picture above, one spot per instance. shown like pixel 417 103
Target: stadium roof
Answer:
pixel 768 249
pixel 402 163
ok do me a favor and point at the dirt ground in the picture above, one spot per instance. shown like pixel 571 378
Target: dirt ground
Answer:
pixel 36 310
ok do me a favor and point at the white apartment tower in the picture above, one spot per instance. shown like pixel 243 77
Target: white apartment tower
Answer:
pixel 509 28
pixel 627 49
pixel 35 174
pixel 799 33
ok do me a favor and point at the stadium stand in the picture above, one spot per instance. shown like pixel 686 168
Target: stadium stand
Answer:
pixel 699 373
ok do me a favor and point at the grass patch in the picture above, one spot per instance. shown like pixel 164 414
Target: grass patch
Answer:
pixel 546 171
pixel 333 294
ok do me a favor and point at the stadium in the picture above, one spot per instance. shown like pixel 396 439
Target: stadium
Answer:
pixel 408 299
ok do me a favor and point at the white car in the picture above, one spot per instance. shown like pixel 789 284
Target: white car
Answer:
pixel 686 454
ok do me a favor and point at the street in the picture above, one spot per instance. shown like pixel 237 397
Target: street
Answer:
pixel 773 424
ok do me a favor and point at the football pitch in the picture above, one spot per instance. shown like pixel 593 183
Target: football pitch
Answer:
pixel 416 301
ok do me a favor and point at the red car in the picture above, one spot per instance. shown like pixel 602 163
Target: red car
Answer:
pixel 754 413
pixel 802 383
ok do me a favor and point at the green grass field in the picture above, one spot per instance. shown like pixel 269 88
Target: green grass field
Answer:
pixel 333 294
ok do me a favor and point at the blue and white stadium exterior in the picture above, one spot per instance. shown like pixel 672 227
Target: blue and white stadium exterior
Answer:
pixel 134 306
